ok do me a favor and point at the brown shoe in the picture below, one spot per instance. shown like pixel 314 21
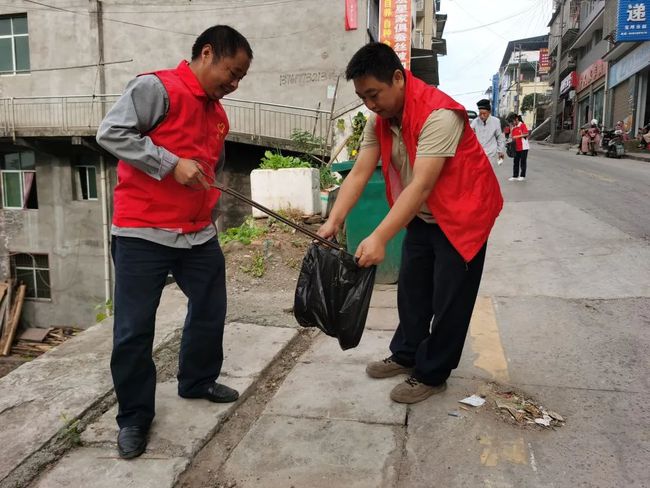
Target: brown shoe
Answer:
pixel 386 368
pixel 412 391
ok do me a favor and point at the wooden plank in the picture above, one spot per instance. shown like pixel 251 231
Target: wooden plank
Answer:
pixel 3 290
pixel 34 334
pixel 15 319
pixel 6 317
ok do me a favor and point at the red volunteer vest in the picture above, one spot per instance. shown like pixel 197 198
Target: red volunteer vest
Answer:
pixel 466 199
pixel 195 127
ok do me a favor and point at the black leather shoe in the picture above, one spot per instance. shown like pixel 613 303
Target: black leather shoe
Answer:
pixel 219 393
pixel 132 441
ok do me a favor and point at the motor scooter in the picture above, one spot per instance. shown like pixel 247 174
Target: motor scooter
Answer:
pixel 612 143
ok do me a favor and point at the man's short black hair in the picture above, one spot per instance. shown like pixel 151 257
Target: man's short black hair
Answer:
pixel 224 40
pixel 374 59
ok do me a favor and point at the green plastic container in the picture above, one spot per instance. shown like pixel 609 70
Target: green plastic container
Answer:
pixel 366 215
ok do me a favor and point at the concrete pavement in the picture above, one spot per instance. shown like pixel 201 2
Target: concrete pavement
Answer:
pixel 563 314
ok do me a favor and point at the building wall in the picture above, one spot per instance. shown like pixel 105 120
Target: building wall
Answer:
pixel 67 230
pixel 300 48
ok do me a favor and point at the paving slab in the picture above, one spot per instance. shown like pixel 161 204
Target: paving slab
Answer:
pixel 249 348
pixel 373 346
pixel 181 426
pixel 283 452
pixel 337 391
pixel 66 381
pixel 384 298
pixel 99 468
pixel 382 319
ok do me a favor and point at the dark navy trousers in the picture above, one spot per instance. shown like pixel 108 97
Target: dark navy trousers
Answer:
pixel 141 269
pixel 435 298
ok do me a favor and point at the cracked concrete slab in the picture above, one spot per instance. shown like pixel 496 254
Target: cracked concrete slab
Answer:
pixel 248 349
pixel 373 346
pixel 337 391
pixel 181 426
pixel 99 468
pixel 280 452
pixel 65 382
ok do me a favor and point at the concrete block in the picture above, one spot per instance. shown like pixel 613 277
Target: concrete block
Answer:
pixel 384 298
pixel 382 319
pixel 279 452
pixel 248 348
pixel 181 427
pixel 337 391
pixel 101 468
pixel 277 189
pixel 66 382
pixel 373 346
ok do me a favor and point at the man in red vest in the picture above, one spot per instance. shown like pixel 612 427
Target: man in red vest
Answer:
pixel 441 187
pixel 168 131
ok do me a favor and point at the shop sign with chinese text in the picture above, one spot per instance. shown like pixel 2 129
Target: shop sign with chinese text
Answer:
pixel 395 27
pixel 632 21
pixel 591 74
pixel 544 62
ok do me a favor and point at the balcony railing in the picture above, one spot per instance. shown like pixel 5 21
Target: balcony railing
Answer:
pixel 257 122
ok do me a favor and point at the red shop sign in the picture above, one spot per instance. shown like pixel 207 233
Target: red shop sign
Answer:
pixel 591 74
pixel 569 82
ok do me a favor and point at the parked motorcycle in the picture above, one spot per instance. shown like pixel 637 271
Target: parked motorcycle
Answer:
pixel 612 143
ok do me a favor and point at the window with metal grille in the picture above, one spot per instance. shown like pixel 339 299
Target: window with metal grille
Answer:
pixel 14 44
pixel 34 271
pixel 18 180
pixel 87 182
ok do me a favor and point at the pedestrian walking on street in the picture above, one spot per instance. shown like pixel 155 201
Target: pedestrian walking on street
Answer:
pixel 488 131
pixel 168 130
pixel 519 134
pixel 440 185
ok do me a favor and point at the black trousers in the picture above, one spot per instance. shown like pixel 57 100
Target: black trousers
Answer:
pixel 141 268
pixel 519 161
pixel 435 298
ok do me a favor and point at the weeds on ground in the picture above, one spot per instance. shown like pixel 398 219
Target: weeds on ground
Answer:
pixel 70 432
pixel 245 233
pixel 257 266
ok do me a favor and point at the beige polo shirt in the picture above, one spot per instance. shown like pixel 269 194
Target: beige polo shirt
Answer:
pixel 438 138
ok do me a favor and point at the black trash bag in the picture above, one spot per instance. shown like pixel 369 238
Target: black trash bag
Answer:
pixel 333 294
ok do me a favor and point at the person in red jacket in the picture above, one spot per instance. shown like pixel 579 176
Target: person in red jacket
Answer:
pixel 168 131
pixel 519 135
pixel 440 186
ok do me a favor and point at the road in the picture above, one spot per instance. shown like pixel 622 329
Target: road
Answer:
pixel 563 314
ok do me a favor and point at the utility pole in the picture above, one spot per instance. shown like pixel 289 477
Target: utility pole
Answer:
pixel 556 86
pixel 535 94
pixel 518 96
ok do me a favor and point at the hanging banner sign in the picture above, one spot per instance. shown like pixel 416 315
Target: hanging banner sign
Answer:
pixel 395 27
pixel 632 21
pixel 351 14
pixel 544 65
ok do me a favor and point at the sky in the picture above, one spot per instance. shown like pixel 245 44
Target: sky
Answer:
pixel 474 55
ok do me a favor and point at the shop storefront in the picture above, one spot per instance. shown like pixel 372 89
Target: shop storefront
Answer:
pixel 567 102
pixel 591 94
pixel 629 92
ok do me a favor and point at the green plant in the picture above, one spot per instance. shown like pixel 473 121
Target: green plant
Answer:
pixel 340 124
pixel 327 178
pixel 307 144
pixel 70 432
pixel 354 141
pixel 245 233
pixel 257 266
pixel 273 160
pixel 104 310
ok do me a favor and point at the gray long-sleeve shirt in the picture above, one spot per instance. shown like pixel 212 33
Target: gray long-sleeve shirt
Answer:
pixel 490 136
pixel 143 105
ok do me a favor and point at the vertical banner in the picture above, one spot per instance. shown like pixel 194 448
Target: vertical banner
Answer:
pixel 495 94
pixel 632 21
pixel 544 64
pixel 351 14
pixel 395 27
